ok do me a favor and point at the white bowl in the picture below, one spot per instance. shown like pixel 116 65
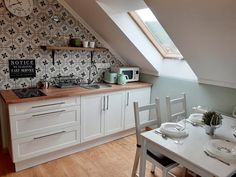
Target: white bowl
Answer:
pixel 196 118
pixel 169 128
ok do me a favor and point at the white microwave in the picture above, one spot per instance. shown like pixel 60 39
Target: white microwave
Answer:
pixel 131 72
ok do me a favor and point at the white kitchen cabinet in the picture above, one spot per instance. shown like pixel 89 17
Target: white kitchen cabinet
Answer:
pixel 92 117
pixel 107 114
pixel 114 114
pixel 101 115
pixel 40 122
pixel 44 126
pixel 43 105
pixel 33 146
pixel 142 96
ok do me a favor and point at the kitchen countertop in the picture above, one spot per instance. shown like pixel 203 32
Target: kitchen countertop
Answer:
pixel 10 97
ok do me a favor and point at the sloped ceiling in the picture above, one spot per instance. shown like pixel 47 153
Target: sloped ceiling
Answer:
pixel 98 20
pixel 204 31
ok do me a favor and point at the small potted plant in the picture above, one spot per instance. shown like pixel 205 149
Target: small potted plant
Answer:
pixel 212 120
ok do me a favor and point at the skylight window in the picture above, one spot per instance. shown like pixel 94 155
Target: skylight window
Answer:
pixel 151 27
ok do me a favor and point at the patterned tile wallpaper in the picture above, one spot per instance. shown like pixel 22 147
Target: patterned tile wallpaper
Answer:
pixel 20 38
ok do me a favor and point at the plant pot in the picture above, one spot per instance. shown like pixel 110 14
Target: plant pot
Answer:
pixel 210 130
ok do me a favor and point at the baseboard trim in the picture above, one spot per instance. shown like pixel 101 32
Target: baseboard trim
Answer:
pixel 71 150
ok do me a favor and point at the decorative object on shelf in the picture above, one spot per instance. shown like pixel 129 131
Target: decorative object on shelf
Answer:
pixel 92 44
pixel 20 8
pixel 212 120
pixel 85 44
pixel 75 42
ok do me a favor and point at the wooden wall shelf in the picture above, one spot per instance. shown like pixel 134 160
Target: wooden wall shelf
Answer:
pixel 57 48
pixel 73 48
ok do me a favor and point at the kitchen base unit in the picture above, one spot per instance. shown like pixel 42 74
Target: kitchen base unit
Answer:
pixel 36 131
pixel 71 150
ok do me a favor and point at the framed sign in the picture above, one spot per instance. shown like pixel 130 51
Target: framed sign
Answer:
pixel 22 68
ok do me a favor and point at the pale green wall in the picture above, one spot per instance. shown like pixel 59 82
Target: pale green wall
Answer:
pixel 217 98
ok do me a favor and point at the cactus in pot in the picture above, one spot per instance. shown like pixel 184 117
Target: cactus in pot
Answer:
pixel 212 120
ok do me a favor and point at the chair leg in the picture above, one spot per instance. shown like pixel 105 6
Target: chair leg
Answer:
pixel 136 161
pixel 153 169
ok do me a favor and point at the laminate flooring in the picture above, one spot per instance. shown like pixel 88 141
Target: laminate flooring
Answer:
pixel 114 159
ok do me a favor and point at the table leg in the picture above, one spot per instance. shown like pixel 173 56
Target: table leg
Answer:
pixel 142 168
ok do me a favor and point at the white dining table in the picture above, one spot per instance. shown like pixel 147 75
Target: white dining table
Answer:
pixel 190 153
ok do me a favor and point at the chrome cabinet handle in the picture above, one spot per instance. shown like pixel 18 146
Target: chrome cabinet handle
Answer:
pixel 57 133
pixel 127 103
pixel 104 103
pixel 45 105
pixel 47 113
pixel 107 102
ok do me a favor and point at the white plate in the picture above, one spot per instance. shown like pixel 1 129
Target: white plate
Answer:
pixel 196 118
pixel 222 148
pixel 169 128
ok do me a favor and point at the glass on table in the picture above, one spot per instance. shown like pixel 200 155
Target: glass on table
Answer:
pixel 180 127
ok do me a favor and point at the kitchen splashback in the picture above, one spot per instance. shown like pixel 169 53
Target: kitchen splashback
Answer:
pixel 20 38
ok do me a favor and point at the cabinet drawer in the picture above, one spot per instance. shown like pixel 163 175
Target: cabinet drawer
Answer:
pixel 34 123
pixel 43 105
pixel 25 148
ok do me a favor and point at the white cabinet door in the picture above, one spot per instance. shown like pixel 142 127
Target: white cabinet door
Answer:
pixel 92 117
pixel 33 146
pixel 114 114
pixel 142 96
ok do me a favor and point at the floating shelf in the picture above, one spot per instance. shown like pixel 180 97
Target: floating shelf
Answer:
pixel 54 48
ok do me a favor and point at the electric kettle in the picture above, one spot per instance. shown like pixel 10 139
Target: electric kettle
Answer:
pixel 122 79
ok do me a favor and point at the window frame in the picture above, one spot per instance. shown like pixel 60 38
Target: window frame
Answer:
pixel 165 54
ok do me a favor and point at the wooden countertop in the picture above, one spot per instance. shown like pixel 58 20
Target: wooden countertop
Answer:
pixel 10 97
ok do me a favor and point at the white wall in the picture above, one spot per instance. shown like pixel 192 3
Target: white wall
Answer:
pixel 204 32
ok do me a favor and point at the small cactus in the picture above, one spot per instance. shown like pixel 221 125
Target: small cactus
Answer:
pixel 212 118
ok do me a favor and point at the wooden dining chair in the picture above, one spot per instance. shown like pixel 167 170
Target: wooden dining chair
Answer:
pixel 181 109
pixel 158 160
pixel 173 114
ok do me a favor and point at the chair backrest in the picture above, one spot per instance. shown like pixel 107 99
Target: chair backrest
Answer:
pixel 171 114
pixel 140 126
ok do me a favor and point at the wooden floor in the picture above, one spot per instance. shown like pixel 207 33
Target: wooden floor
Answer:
pixel 113 159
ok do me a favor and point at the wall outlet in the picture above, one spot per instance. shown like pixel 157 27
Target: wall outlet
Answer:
pixel 103 65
